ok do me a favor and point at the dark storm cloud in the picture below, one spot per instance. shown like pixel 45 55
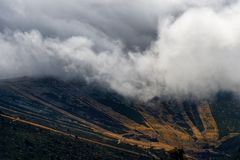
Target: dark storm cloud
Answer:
pixel 118 20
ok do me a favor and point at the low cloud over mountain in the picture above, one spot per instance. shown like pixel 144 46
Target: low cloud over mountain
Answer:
pixel 138 48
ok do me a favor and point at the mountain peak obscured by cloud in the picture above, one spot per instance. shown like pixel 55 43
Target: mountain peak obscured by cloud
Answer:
pixel 138 48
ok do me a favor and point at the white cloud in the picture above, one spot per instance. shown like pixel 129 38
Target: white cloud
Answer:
pixel 197 49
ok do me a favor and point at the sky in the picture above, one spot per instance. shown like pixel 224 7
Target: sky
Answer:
pixel 138 48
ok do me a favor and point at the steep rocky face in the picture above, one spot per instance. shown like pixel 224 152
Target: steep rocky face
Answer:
pixel 99 113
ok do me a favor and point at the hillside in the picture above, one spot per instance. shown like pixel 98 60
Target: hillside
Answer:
pixel 108 125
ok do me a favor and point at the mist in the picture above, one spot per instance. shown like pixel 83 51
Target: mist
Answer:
pixel 139 49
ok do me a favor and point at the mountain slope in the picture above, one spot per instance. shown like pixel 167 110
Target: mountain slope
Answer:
pixel 96 113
